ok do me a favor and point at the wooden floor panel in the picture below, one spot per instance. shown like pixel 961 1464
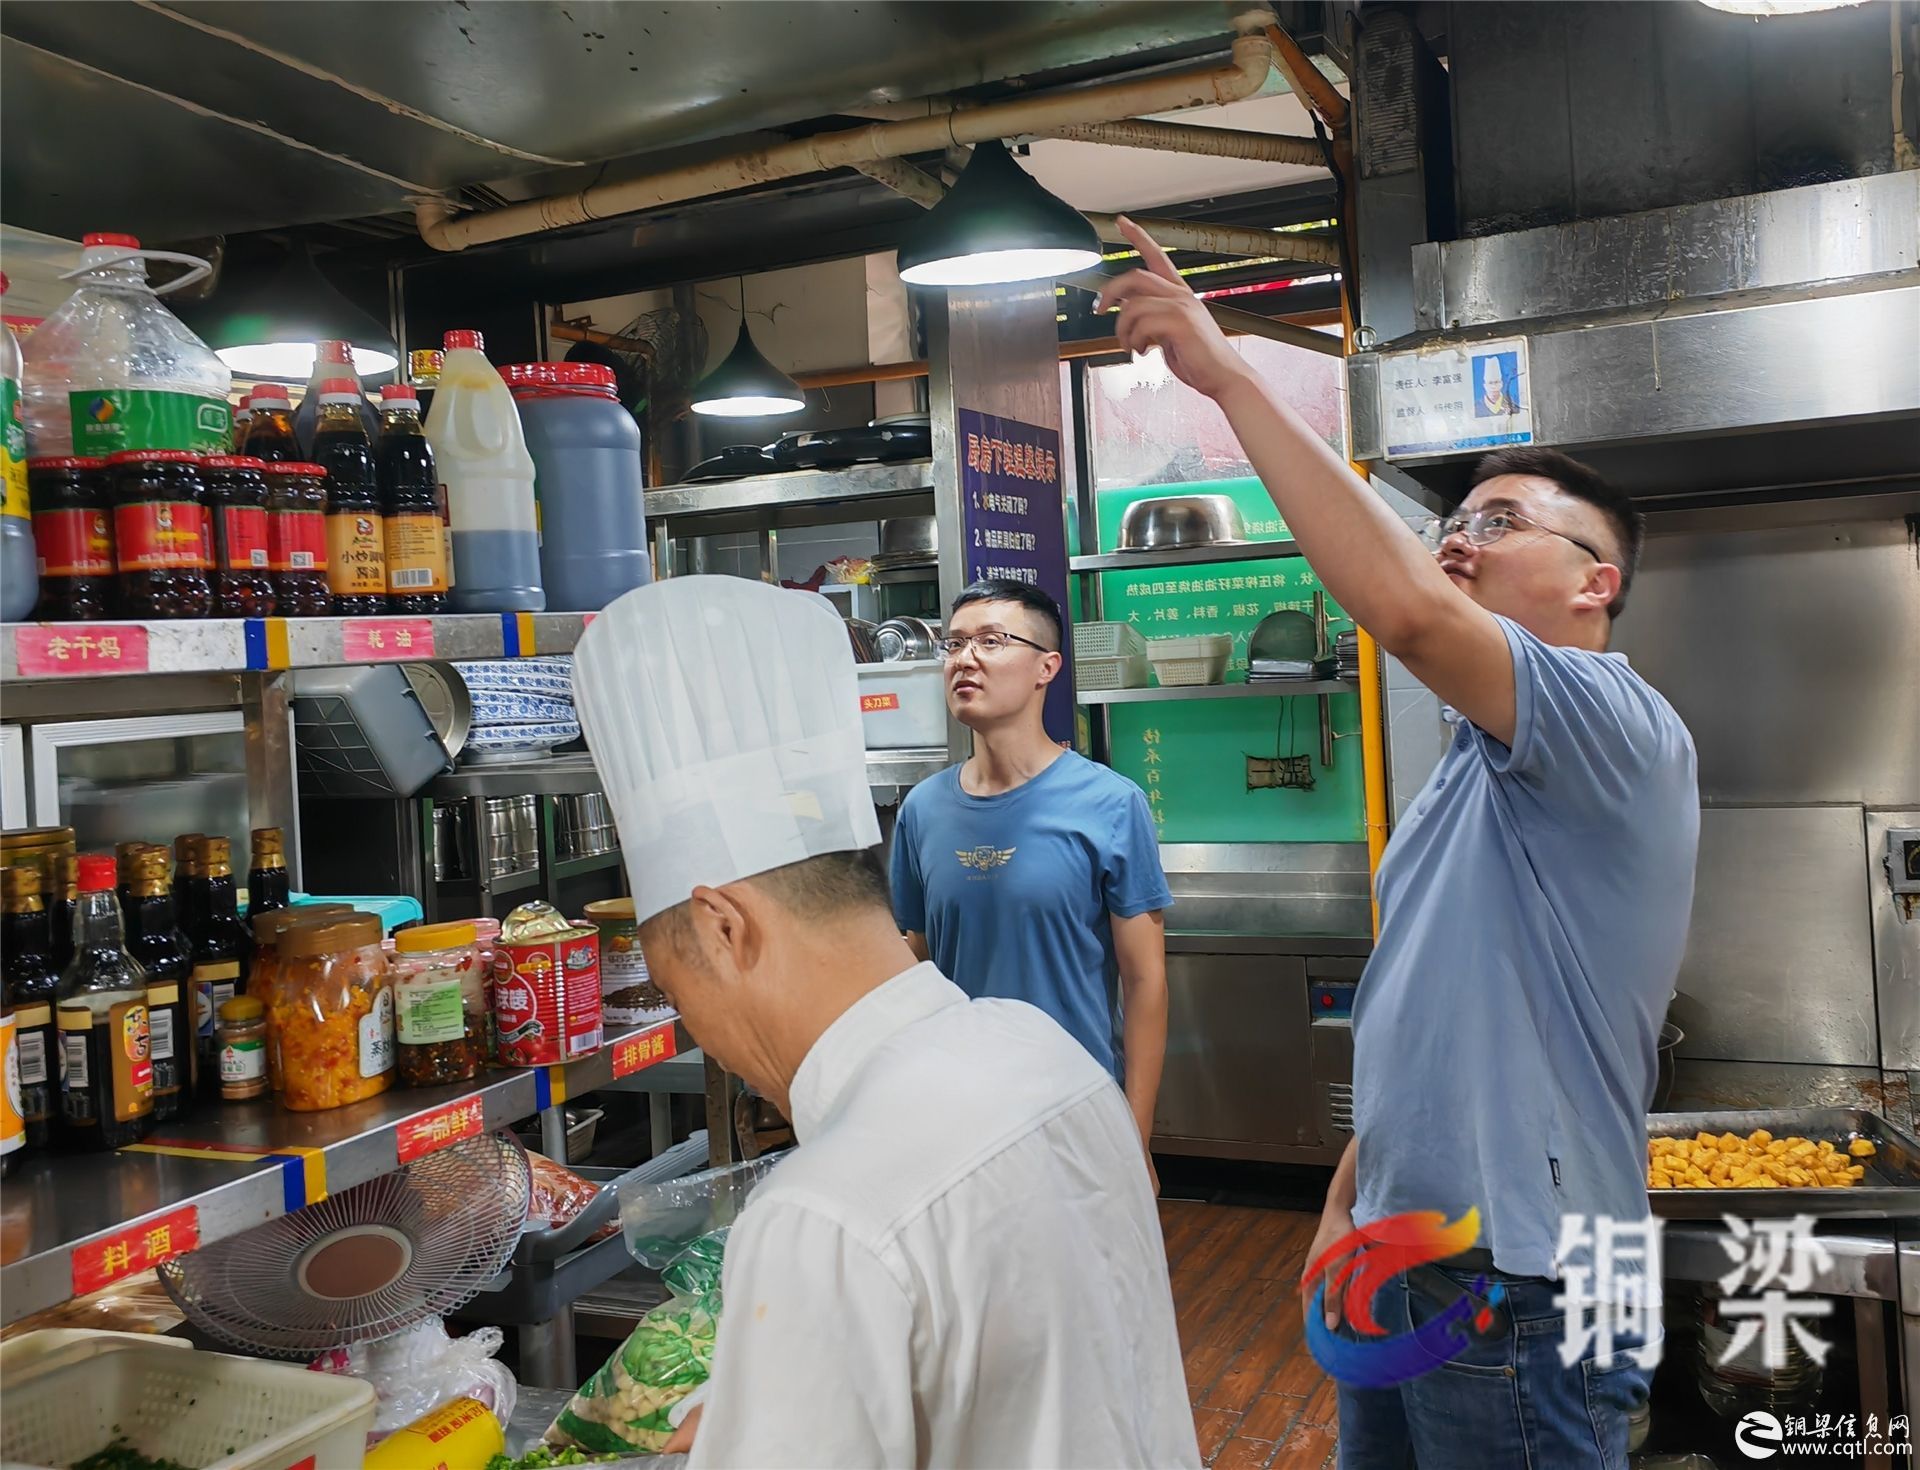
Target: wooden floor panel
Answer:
pixel 1260 1401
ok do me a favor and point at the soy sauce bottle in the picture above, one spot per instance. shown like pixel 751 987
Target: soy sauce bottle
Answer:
pixel 219 944
pixel 415 505
pixel 189 884
pixel 356 530
pixel 267 885
pixel 153 938
pixel 31 983
pixel 106 1067
pixel 62 907
pixel 270 433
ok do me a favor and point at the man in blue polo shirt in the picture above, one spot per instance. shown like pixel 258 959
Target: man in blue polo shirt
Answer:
pixel 1028 872
pixel 1533 908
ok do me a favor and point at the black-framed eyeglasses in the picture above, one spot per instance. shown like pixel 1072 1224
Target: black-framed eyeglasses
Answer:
pixel 1487 525
pixel 986 644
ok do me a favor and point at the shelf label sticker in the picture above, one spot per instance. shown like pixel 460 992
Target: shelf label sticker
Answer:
pixel 424 1133
pixel 1452 399
pixel 873 704
pixel 644 1048
pixel 134 1248
pixel 384 640
pixel 50 650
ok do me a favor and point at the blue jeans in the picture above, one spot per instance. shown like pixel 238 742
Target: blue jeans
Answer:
pixel 1506 1403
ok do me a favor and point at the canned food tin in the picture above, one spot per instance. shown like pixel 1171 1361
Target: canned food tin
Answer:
pixel 628 996
pixel 546 998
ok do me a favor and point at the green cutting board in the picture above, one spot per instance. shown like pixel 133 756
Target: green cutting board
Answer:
pixel 1190 756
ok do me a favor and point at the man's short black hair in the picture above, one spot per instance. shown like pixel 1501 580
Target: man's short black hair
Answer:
pixel 817 887
pixel 1582 482
pixel 1034 599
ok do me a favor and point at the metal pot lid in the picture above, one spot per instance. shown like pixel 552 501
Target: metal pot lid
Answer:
pixel 923 420
pixel 443 695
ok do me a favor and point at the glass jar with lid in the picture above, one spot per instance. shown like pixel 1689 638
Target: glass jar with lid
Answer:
pixel 440 1004
pixel 297 538
pixel 263 976
pixel 160 542
pixel 333 1013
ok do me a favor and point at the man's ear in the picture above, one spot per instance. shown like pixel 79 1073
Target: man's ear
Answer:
pixel 1601 587
pixel 727 922
pixel 1050 667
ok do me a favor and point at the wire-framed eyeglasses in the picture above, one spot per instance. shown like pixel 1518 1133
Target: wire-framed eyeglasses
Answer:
pixel 986 644
pixel 1487 525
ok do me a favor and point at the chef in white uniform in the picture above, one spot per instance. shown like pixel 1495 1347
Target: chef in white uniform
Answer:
pixel 961 1265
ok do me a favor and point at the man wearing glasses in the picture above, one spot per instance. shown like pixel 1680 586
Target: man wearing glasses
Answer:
pixel 1028 872
pixel 1533 908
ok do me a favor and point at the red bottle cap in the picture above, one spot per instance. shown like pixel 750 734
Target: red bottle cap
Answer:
pixel 399 393
pixel 332 351
pixel 463 339
pixel 154 456
pixel 269 398
pixel 234 462
pixel 557 375
pixel 98 872
pixel 65 462
pixel 339 388
pixel 297 467
pixel 126 241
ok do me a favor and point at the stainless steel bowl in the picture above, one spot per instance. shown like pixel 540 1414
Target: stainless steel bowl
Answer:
pixel 1176 522
pixel 906 640
pixel 509 835
pixel 864 637
pixel 909 536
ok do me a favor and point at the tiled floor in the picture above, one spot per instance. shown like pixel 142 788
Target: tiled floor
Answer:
pixel 1259 1399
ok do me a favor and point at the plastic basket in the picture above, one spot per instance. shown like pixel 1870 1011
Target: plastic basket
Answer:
pixel 903 706
pixel 1185 661
pixel 1106 640
pixel 1129 672
pixel 206 1409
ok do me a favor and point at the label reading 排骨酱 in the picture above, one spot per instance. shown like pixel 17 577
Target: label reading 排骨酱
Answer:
pixel 108 420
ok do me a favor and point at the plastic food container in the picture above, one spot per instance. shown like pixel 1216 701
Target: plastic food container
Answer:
pixel 628 996
pixel 333 1010
pixel 546 998
pixel 903 706
pixel 1201 659
pixel 440 1004
pixel 171 1402
pixel 1130 672
pixel 1106 640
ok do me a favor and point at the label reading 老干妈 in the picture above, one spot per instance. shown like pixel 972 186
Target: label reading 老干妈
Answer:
pixel 296 541
pixel 73 543
pixel 161 536
pixel 240 533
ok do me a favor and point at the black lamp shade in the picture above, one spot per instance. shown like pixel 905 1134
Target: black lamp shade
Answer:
pixel 996 225
pixel 746 385
pixel 266 326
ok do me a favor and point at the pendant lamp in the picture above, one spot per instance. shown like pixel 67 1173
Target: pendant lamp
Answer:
pixel 997 224
pixel 266 327
pixel 746 385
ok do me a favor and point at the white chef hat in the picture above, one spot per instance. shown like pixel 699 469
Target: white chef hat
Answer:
pixel 724 718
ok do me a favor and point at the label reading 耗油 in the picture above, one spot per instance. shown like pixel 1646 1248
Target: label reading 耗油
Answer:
pixel 73 543
pixel 161 536
pixel 109 420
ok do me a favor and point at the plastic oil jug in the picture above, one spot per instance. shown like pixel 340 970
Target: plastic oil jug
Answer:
pixel 112 369
pixel 481 453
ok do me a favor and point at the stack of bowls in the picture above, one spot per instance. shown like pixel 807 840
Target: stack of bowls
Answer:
pixel 522 707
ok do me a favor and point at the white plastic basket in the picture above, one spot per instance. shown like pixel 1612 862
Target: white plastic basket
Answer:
pixel 1128 672
pixel 206 1409
pixel 1200 659
pixel 903 706
pixel 1106 640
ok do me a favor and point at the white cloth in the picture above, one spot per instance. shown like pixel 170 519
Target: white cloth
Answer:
pixel 724 719
pixel 961 1265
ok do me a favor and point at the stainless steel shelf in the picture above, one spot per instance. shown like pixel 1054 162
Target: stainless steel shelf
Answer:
pixel 260 645
pixel 557 775
pixel 1193 556
pixel 578 867
pixel 887 769
pixel 1285 689
pixel 795 498
pixel 270 1162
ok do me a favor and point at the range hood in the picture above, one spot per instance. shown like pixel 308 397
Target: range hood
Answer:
pixel 1763 347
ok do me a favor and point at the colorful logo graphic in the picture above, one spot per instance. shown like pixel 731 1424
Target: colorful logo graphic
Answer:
pixel 986 859
pixel 102 410
pixel 1357 1266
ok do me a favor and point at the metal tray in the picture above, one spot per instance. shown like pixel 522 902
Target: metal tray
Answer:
pixel 1890 1190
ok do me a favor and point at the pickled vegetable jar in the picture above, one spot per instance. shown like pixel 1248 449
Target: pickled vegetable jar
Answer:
pixel 333 1014
pixel 440 1004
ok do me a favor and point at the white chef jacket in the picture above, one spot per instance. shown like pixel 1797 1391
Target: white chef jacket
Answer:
pixel 960 1266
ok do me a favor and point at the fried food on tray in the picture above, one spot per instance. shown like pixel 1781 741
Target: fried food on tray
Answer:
pixel 1758 1161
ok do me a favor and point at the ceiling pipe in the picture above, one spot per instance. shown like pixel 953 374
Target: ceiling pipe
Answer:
pixel 1241 78
pixel 1169 137
pixel 1309 84
pixel 1175 234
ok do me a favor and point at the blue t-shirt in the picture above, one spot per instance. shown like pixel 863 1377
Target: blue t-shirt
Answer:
pixel 1533 913
pixel 1014 892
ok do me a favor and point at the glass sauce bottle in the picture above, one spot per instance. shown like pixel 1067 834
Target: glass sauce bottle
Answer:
pixel 415 507
pixel 356 531
pixel 63 906
pixel 270 427
pixel 219 945
pixel 73 535
pixel 31 982
pixel 153 938
pixel 160 541
pixel 267 885
pixel 297 539
pixel 189 884
pixel 106 1070
pixel 237 508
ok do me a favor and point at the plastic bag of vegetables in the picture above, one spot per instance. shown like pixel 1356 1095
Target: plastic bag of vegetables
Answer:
pixel 624 1407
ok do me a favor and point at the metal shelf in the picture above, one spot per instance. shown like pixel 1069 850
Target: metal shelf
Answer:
pixel 557 775
pixel 794 498
pixel 1280 689
pixel 1191 556
pixel 578 867
pixel 892 768
pixel 261 645
pixel 235 1165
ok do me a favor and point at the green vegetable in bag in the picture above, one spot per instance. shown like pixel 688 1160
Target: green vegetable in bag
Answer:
pixel 625 1406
